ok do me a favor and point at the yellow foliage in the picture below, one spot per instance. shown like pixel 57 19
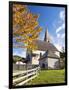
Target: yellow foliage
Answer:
pixel 28 26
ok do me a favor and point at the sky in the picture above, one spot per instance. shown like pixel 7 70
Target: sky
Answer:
pixel 51 18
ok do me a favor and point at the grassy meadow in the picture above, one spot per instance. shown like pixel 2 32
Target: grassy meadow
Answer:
pixel 48 77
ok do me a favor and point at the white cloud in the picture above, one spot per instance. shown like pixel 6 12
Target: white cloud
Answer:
pixel 58 46
pixel 62 15
pixel 58 35
pixel 62 20
pixel 63 35
pixel 60 28
pixel 22 53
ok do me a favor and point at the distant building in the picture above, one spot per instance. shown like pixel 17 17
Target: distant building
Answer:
pixel 20 63
pixel 47 55
pixel 19 60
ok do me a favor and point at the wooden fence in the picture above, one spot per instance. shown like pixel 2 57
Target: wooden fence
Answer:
pixel 23 67
pixel 22 77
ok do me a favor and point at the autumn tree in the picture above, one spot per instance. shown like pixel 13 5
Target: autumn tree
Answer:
pixel 26 28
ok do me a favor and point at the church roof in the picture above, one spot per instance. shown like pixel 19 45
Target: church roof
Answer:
pixel 49 54
pixel 44 46
pixel 52 55
pixel 47 36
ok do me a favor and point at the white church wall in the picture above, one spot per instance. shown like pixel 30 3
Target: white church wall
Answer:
pixel 57 53
pixel 38 52
pixel 43 61
pixel 35 60
pixel 53 63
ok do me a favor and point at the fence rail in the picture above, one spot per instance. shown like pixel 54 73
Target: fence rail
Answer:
pixel 22 77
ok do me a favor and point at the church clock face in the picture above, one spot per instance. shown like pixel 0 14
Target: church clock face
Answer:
pixel 37 44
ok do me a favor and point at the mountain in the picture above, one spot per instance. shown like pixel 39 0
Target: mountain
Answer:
pixel 18 58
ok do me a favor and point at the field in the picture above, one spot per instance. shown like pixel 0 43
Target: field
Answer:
pixel 48 76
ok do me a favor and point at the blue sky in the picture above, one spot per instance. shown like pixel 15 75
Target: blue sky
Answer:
pixel 52 18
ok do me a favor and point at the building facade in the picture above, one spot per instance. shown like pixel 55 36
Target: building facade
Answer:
pixel 47 55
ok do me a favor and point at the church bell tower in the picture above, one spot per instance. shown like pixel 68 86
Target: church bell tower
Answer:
pixel 47 37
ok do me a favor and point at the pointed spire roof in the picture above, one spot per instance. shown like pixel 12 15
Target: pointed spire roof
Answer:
pixel 47 38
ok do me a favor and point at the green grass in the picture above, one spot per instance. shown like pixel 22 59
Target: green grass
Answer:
pixel 48 76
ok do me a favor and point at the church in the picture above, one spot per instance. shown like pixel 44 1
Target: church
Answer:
pixel 46 56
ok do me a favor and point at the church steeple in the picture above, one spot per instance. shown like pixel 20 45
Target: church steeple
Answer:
pixel 46 38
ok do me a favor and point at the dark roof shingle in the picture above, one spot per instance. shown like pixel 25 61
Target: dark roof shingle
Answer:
pixel 52 55
pixel 43 46
pixel 49 54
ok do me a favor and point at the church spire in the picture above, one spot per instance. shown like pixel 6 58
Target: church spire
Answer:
pixel 46 38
